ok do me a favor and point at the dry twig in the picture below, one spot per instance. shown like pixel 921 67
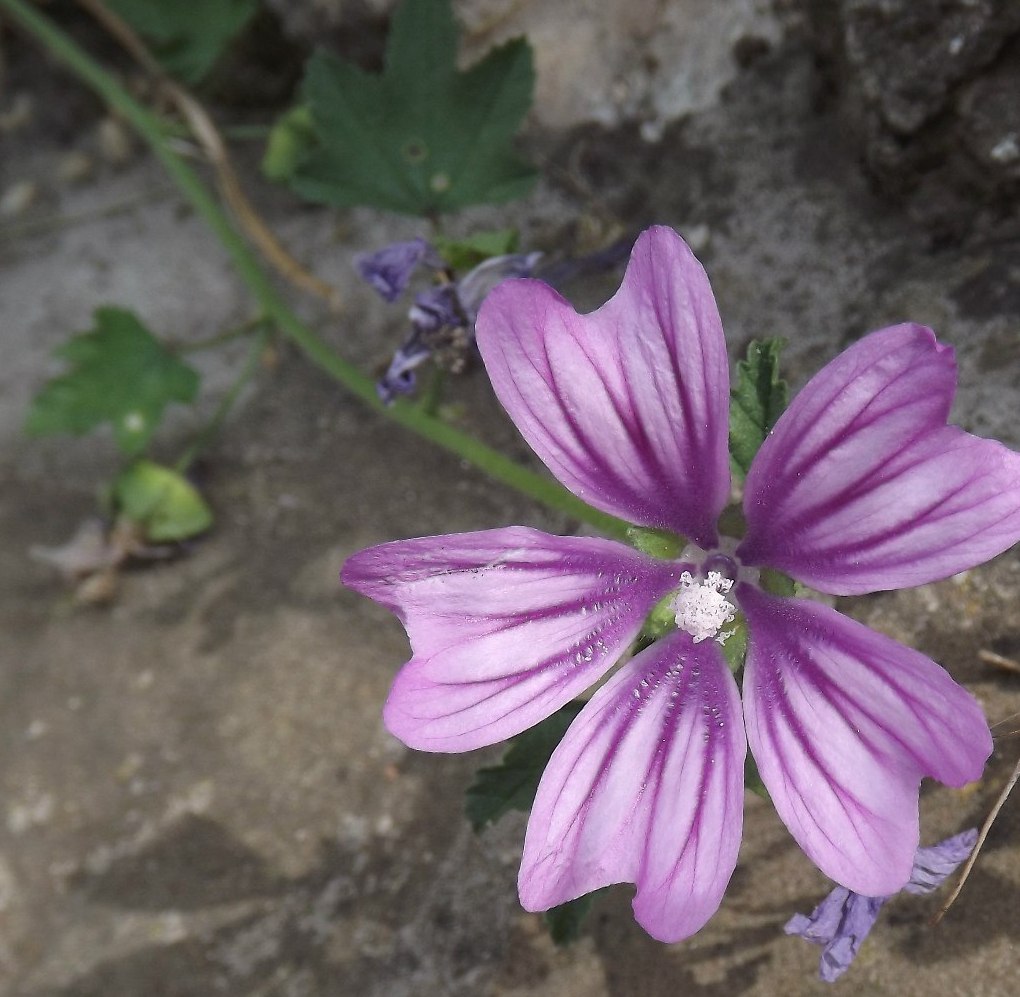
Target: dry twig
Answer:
pixel 999 661
pixel 985 828
pixel 215 148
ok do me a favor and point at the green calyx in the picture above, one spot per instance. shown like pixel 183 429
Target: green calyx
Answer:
pixel 661 620
pixel 655 543
pixel 776 583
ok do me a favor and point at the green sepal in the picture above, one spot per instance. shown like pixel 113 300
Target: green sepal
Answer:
pixel 662 544
pixel 776 583
pixel 735 648
pixel 757 401
pixel 513 783
pixel 752 778
pixel 164 504
pixel 660 621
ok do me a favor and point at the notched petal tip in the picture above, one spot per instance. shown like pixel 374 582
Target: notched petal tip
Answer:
pixel 863 487
pixel 843 723
pixel 646 788
pixel 628 405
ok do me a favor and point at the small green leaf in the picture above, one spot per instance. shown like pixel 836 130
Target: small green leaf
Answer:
pixel 421 137
pixel 512 784
pixel 119 374
pixel 463 254
pixel 290 141
pixel 186 37
pixel 164 504
pixel 565 921
pixel 758 400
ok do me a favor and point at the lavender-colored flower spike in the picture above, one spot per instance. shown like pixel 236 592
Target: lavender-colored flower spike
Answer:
pixel 435 308
pixel 389 270
pixel 842 921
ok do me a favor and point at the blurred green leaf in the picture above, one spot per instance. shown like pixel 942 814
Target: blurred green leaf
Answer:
pixel 752 778
pixel 463 254
pixel 161 501
pixel 565 921
pixel 759 398
pixel 187 36
pixel 512 784
pixel 119 374
pixel 421 137
pixel 290 140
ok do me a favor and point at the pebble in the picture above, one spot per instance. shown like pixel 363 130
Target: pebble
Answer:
pixel 18 198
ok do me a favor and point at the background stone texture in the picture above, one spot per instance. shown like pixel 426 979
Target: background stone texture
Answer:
pixel 197 794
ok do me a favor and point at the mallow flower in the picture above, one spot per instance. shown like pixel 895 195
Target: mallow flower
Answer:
pixel 860 487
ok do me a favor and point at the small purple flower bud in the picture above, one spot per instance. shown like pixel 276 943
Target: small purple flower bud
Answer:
pixel 389 270
pixel 399 378
pixel 435 308
pixel 841 922
pixel 932 865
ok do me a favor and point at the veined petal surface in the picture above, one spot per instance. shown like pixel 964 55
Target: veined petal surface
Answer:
pixel 505 626
pixel 627 406
pixel 646 787
pixel 863 487
pixel 843 723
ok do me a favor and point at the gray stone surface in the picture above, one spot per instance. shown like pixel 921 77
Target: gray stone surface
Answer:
pixel 197 794
pixel 607 61
pixel 929 90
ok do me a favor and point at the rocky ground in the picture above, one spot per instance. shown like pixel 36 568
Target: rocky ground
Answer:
pixel 198 796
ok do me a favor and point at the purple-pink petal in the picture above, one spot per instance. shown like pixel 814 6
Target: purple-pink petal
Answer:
pixel 628 405
pixel 505 626
pixel 863 487
pixel 843 723
pixel 646 788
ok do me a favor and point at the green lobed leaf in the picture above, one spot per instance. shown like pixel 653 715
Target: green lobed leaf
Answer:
pixel 565 921
pixel 463 254
pixel 758 400
pixel 186 36
pixel 512 784
pixel 120 374
pixel 165 504
pixel 421 137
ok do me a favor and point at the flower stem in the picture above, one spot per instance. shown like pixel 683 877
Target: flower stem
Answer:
pixel 272 304
pixel 209 432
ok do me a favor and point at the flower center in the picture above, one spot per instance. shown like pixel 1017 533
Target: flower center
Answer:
pixel 702 608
